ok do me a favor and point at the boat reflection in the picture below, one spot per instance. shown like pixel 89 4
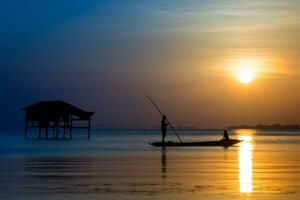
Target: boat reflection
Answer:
pixel 163 162
pixel 245 164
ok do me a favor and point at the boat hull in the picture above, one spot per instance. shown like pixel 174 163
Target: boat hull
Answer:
pixel 224 143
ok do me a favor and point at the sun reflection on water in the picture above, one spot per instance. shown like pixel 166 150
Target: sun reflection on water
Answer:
pixel 245 164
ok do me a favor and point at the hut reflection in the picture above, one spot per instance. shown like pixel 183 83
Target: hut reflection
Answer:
pixel 56 167
pixel 57 174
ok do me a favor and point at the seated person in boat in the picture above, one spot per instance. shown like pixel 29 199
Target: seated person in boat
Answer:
pixel 163 126
pixel 225 135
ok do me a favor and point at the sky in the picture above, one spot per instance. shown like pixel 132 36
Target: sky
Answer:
pixel 105 56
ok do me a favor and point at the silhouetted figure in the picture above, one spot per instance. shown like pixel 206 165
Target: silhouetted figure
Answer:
pixel 225 135
pixel 164 124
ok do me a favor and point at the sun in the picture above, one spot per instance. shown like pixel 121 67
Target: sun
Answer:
pixel 245 76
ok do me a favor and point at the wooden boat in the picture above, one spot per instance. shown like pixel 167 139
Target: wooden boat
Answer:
pixel 224 143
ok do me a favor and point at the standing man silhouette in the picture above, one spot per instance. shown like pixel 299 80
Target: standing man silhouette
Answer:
pixel 163 126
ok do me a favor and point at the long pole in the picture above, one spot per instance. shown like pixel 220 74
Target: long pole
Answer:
pixel 157 108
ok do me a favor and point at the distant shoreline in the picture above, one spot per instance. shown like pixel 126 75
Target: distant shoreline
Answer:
pixel 274 127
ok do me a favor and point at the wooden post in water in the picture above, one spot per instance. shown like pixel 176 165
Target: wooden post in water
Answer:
pixel 64 130
pixel 56 130
pixel 89 130
pixel 53 130
pixel 25 131
pixel 40 132
pixel 46 131
pixel 71 126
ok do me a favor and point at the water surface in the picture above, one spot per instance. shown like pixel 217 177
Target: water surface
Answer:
pixel 121 165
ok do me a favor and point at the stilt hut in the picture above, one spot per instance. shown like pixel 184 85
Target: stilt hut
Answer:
pixel 57 116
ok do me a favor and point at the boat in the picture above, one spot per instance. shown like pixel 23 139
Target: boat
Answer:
pixel 223 142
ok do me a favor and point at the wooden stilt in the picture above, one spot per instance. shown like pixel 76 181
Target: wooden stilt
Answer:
pixel 89 129
pixel 40 131
pixel 60 130
pixel 71 127
pixel 64 130
pixel 56 130
pixel 25 131
pixel 53 131
pixel 46 131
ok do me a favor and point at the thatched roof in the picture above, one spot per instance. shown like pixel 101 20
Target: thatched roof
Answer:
pixel 54 110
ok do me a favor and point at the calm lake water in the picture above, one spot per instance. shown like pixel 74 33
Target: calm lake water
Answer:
pixel 121 165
